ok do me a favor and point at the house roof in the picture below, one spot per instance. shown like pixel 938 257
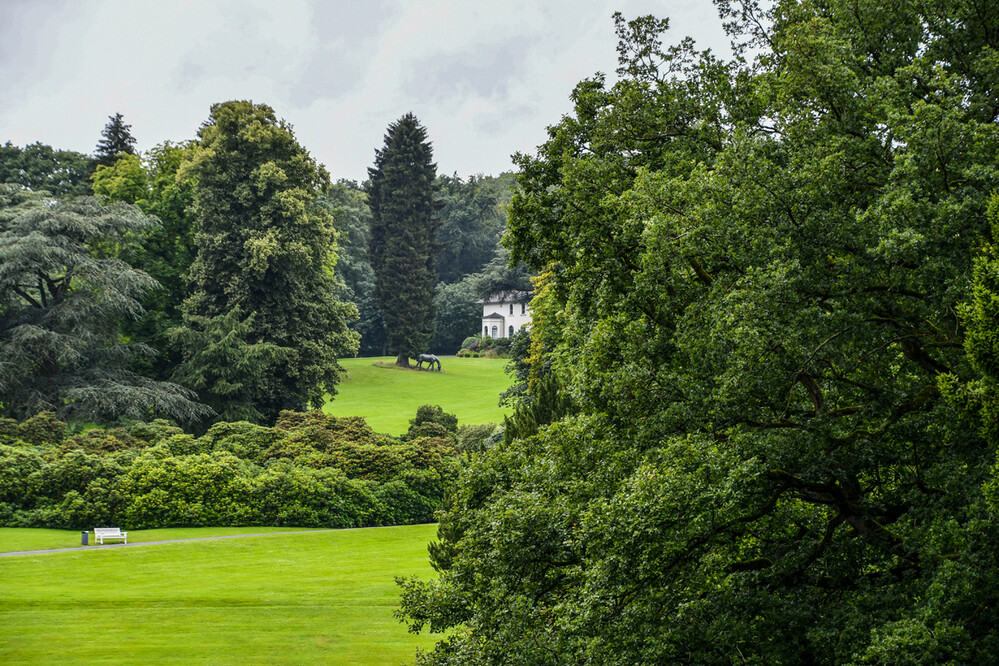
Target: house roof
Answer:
pixel 495 315
pixel 505 297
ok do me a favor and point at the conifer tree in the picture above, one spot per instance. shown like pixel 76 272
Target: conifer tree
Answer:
pixel 403 246
pixel 117 139
pixel 63 294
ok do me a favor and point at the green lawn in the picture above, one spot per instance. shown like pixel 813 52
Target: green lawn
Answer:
pixel 13 539
pixel 387 396
pixel 305 598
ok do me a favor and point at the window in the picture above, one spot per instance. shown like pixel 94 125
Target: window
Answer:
pixel 511 308
pixel 485 331
pixel 523 308
pixel 495 331
pixel 511 332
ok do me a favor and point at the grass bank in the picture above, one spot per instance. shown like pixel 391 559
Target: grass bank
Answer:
pixel 387 396
pixel 293 599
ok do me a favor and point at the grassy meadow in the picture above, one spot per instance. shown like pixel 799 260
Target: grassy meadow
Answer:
pixel 315 597
pixel 388 396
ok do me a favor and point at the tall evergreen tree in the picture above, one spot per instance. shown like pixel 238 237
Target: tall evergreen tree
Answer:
pixel 403 245
pixel 265 246
pixel 117 139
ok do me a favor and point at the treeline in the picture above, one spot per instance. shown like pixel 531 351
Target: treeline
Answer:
pixel 217 279
pixel 308 470
pixel 763 376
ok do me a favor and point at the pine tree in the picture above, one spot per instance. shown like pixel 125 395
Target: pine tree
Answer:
pixel 403 246
pixel 117 139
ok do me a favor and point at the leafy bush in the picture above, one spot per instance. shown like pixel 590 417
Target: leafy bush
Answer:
pixel 310 470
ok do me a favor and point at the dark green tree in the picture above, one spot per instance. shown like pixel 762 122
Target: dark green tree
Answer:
pixel 223 363
pixel 265 246
pixel 403 247
pixel 348 204
pixel 63 291
pixel 472 220
pixel 758 282
pixel 117 140
pixel 41 168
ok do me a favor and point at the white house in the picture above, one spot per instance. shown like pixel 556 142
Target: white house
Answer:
pixel 505 313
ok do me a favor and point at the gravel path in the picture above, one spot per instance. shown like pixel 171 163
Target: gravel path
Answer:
pixel 152 543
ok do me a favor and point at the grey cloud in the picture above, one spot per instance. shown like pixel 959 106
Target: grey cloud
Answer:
pixel 347 33
pixel 485 72
pixel 26 54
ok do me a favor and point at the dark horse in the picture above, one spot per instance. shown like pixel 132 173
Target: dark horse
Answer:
pixel 428 358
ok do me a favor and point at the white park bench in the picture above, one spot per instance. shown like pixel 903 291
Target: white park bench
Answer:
pixel 102 533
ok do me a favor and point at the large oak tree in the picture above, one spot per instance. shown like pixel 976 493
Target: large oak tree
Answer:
pixel 782 439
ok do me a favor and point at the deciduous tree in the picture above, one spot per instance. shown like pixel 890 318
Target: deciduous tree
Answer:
pixel 753 274
pixel 40 167
pixel 265 246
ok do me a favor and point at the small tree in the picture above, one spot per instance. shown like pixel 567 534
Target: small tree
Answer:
pixel 117 139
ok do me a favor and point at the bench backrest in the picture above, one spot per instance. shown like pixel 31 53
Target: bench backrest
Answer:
pixel 107 531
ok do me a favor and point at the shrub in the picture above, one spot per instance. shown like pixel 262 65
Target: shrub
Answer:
pixel 99 440
pixel 243 439
pixel 472 438
pixel 432 414
pixel 43 428
pixel 154 432
pixel 8 431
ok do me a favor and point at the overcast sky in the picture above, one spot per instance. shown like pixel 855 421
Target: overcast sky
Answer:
pixel 486 78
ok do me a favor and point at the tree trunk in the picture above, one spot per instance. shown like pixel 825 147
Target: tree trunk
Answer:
pixel 403 360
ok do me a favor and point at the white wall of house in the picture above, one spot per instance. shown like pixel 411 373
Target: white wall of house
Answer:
pixel 505 313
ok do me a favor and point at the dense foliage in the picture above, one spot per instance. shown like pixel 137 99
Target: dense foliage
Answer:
pixel 767 329
pixel 40 167
pixel 308 470
pixel 403 245
pixel 155 183
pixel 472 218
pixel 348 204
pixel 267 248
pixel 63 292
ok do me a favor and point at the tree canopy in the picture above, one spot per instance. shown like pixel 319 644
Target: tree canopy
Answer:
pixel 266 247
pixel 63 291
pixel 403 247
pixel 762 287
pixel 156 184
pixel 42 168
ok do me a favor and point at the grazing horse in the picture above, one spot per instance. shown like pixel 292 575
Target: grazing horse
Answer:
pixel 428 358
